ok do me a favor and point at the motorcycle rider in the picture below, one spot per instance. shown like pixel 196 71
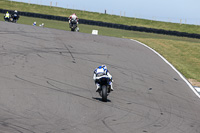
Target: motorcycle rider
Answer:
pixel 100 72
pixel 15 14
pixel 73 17
pixel 7 16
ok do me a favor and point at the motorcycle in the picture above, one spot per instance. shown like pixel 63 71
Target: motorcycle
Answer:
pixel 14 18
pixel 104 87
pixel 6 19
pixel 73 25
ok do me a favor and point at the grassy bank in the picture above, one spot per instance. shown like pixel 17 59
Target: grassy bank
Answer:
pixel 5 4
pixel 182 52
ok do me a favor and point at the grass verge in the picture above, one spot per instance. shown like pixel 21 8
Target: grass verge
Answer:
pixel 182 52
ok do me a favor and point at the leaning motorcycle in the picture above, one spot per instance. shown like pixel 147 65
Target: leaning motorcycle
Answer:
pixel 14 18
pixel 104 87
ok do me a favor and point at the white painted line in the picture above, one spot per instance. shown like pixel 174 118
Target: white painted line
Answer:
pixel 184 79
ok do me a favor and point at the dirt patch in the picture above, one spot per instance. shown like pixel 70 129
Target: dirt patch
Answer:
pixel 194 82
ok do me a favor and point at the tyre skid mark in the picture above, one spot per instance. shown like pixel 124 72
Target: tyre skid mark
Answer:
pixel 16 127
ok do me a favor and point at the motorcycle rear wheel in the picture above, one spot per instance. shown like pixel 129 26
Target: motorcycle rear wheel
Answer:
pixel 104 93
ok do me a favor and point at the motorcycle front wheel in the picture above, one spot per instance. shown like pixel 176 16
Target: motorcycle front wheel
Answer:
pixel 72 29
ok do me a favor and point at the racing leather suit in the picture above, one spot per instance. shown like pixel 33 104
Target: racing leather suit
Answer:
pixel 7 15
pixel 100 72
pixel 74 17
pixel 15 14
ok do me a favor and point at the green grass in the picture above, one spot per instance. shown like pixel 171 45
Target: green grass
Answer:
pixel 183 54
pixel 5 4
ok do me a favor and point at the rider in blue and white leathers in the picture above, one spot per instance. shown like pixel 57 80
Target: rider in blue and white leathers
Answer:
pixel 100 72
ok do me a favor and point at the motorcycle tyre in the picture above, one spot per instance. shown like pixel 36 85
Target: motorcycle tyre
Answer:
pixel 72 29
pixel 14 21
pixel 104 93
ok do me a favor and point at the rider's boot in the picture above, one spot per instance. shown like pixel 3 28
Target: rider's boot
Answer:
pixel 111 87
pixel 98 87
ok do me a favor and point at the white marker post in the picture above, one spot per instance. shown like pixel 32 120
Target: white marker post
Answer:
pixel 94 32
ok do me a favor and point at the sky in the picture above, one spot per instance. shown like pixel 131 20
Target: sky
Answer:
pixel 176 11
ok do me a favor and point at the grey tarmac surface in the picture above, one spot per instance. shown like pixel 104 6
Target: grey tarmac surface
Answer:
pixel 47 86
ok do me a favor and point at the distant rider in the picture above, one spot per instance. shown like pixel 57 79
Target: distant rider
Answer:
pixel 100 72
pixel 15 15
pixel 7 16
pixel 73 17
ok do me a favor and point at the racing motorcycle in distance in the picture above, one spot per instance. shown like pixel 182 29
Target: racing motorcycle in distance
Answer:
pixel 14 18
pixel 104 89
pixel 6 19
pixel 73 25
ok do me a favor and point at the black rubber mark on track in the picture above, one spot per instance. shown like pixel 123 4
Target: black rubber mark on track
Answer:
pixel 57 38
pixel 70 53
pixel 15 127
pixel 55 88
pixel 176 79
pixel 103 121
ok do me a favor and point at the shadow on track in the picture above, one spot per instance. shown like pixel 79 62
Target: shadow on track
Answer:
pixel 100 99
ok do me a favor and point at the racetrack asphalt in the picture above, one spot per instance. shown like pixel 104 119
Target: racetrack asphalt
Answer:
pixel 47 86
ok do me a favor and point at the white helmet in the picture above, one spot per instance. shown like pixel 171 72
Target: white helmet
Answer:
pixel 16 11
